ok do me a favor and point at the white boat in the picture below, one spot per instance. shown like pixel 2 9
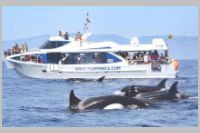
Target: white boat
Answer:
pixel 66 58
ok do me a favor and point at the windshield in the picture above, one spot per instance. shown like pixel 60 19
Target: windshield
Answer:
pixel 53 44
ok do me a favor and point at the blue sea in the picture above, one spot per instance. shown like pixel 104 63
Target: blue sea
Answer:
pixel 44 103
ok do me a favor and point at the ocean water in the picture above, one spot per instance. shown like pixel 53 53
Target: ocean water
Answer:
pixel 44 103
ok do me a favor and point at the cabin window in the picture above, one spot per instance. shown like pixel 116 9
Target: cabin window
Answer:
pixel 53 44
pixel 111 58
pixel 16 58
pixel 54 57
pixel 89 58
pixel 43 57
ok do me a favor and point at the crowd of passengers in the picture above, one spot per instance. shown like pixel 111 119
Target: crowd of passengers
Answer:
pixel 65 35
pixel 16 49
pixel 22 48
pixel 145 58
pixel 87 58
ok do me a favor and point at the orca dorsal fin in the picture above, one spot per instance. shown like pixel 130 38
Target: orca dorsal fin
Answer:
pixel 73 100
pixel 162 83
pixel 101 79
pixel 173 89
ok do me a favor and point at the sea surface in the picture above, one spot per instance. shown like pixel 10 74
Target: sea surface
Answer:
pixel 44 103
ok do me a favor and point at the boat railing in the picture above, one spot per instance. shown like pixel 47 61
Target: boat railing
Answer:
pixel 149 62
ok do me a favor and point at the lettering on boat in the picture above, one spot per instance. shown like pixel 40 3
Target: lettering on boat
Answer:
pixel 107 68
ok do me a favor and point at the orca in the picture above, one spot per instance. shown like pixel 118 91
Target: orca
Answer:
pixel 133 90
pixel 86 80
pixel 169 94
pixel 101 79
pixel 105 102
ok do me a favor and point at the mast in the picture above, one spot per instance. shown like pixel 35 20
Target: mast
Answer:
pixel 87 27
pixel 87 24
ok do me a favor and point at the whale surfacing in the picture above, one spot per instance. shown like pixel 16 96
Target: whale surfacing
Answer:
pixel 133 90
pixel 104 102
pixel 170 94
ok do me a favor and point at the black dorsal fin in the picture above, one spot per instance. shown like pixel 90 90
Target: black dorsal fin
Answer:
pixel 173 89
pixel 162 83
pixel 101 79
pixel 73 99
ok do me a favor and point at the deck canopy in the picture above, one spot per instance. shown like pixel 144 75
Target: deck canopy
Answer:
pixel 108 46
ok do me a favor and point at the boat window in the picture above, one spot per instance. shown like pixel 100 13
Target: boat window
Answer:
pixel 54 57
pixel 89 58
pixel 53 44
pixel 16 58
pixel 43 57
pixel 111 58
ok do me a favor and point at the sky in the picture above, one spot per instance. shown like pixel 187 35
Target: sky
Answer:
pixel 20 22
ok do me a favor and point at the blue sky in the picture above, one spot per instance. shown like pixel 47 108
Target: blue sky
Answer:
pixel 27 21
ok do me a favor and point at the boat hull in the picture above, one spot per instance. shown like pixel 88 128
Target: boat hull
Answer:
pixel 90 71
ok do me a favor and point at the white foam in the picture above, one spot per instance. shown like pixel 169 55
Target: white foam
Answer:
pixel 193 97
pixel 119 93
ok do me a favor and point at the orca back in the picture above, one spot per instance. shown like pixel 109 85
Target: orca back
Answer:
pixel 162 83
pixel 173 89
pixel 73 100
pixel 101 79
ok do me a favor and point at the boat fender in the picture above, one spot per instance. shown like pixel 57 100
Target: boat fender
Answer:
pixel 175 64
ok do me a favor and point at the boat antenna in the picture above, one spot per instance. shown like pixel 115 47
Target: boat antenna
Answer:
pixel 88 22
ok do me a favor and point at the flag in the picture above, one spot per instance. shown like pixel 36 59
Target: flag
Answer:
pixel 170 36
pixel 88 20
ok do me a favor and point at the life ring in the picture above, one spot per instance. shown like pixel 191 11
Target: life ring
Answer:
pixel 175 64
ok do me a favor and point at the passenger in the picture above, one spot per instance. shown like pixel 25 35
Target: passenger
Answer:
pixel 23 48
pixel 9 52
pixel 146 58
pixel 65 60
pixel 158 67
pixel 26 47
pixel 156 54
pixel 78 37
pixel 155 66
pixel 77 59
pixel 40 60
pixel 33 57
pixel 13 50
pixel 162 59
pixel 17 48
pixel 134 57
pixel 66 35
pixel 118 53
pixel 121 54
pixel 126 54
pixel 5 53
pixel 139 58
pixel 59 33
pixel 27 58
pixel 101 58
pixel 128 59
